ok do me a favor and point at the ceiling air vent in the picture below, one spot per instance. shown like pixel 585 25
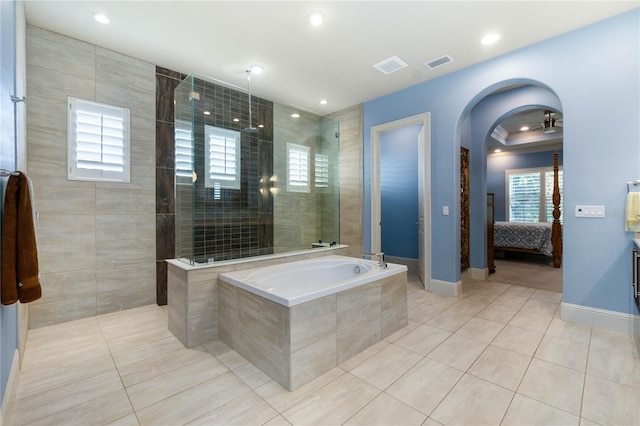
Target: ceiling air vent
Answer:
pixel 439 62
pixel 390 65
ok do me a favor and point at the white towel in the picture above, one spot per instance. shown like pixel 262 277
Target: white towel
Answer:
pixel 632 217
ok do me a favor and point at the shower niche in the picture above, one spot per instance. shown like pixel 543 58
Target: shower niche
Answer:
pixel 251 182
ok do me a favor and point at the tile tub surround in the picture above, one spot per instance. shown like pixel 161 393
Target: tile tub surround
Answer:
pixel 192 292
pixel 295 345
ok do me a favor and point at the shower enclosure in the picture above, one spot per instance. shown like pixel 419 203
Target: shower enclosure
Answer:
pixel 246 189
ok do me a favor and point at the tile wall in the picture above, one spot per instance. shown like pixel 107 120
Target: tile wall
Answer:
pixel 96 240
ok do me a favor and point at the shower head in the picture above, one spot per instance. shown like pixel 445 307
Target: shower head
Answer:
pixel 250 130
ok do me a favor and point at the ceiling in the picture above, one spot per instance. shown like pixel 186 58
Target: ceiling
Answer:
pixel 510 136
pixel 304 64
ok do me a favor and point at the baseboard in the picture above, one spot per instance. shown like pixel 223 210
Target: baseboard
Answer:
pixel 10 391
pixel 479 274
pixel 445 287
pixel 610 320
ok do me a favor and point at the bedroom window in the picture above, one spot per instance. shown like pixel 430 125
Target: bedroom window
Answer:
pixel 529 194
pixel 297 168
pixel 97 141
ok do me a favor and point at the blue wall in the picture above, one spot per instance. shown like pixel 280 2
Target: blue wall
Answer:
pixel 594 72
pixel 399 191
pixel 497 165
pixel 8 314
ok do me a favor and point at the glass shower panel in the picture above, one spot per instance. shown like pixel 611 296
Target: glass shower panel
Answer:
pixel 231 184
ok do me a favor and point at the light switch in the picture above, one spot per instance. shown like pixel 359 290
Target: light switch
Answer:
pixel 590 211
pixel 445 210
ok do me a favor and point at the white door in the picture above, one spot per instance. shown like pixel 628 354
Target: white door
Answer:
pixel 422 249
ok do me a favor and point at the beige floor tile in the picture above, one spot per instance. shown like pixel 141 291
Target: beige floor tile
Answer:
pixel 569 330
pixel 609 403
pixel 544 306
pixel 33 407
pixel 386 366
pixel 554 385
pixel 449 320
pixel 421 313
pixel 510 300
pixel 566 353
pixel 400 333
pixel 173 382
pixel 48 376
pixel 520 291
pixel 423 339
pixel 130 420
pixel 136 339
pixel 224 353
pixel 248 409
pixel 501 367
pixel 547 296
pixel 251 375
pixel 385 410
pixel 481 329
pixel 425 385
pixel 146 351
pixel 151 367
pixel 458 352
pixel 431 422
pixel 102 410
pixel 355 360
pixel 527 411
pixel 281 399
pixel 334 404
pixel 194 402
pixel 473 402
pixel 470 306
pixel 519 340
pixel 615 365
pixel 535 321
pixel 277 421
pixel 497 313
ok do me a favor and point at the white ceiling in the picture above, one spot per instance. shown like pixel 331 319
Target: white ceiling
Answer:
pixel 509 136
pixel 304 64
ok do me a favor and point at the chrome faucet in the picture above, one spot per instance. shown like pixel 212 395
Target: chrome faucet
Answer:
pixel 381 262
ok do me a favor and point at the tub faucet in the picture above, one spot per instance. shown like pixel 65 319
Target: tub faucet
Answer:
pixel 381 262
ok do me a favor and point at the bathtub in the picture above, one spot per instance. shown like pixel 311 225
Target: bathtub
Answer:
pixel 293 283
pixel 296 321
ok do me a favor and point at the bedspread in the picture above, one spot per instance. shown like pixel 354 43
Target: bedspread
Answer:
pixel 523 235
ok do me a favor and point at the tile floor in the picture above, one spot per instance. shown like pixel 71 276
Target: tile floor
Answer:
pixel 498 354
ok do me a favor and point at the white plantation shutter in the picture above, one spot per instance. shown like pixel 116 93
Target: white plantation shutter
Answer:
pixel 98 141
pixel 297 168
pixel 184 149
pixel 222 158
pixel 322 171
pixel 530 194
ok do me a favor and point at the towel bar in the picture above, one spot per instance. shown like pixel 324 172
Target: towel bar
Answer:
pixel 5 172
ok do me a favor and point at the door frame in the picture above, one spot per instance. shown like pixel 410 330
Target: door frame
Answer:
pixel 424 182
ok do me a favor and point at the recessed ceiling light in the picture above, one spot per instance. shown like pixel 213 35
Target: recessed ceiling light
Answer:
pixel 524 128
pixel 490 39
pixel 316 19
pixel 497 150
pixel 102 18
pixel 256 69
pixel 295 115
pixel 324 102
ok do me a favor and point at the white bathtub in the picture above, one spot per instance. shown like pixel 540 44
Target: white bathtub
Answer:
pixel 297 282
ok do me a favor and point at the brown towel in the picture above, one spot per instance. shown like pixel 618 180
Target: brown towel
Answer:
pixel 19 252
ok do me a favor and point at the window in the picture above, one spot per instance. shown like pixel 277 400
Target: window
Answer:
pixel 297 168
pixel 98 138
pixel 184 151
pixel 222 158
pixel 530 195
pixel 322 171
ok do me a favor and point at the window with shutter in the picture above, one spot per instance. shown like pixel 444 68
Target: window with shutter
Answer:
pixel 184 151
pixel 222 158
pixel 98 141
pixel 529 194
pixel 297 168
pixel 322 171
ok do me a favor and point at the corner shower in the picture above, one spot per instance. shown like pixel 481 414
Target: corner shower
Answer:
pixel 250 179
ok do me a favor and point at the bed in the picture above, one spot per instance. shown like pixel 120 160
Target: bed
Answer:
pixel 541 238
